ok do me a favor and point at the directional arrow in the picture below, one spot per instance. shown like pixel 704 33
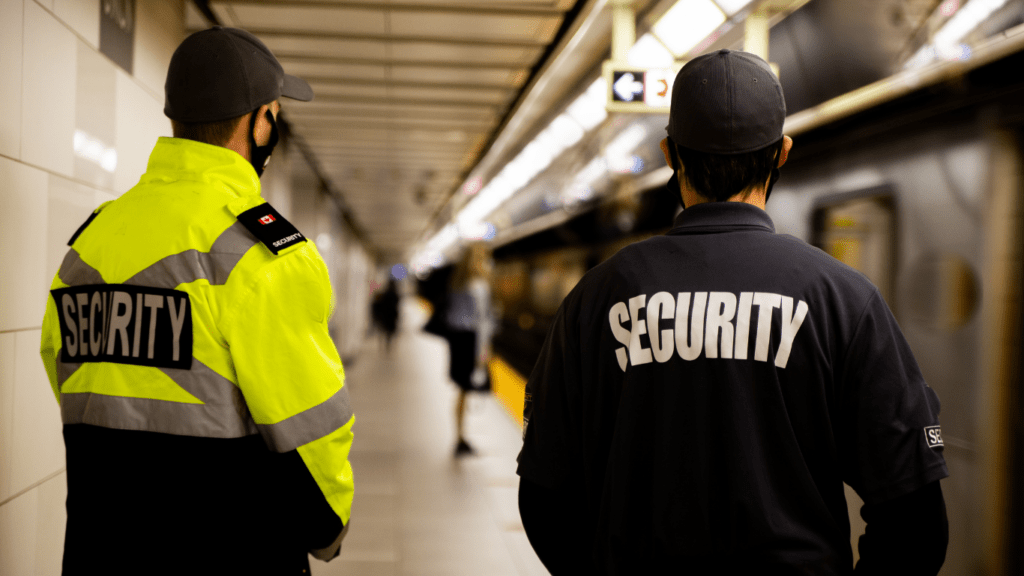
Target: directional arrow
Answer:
pixel 627 87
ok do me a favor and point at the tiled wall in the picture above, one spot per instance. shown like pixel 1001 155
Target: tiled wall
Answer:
pixel 58 89
pixel 58 92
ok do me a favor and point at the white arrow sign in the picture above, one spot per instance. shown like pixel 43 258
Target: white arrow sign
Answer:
pixel 627 87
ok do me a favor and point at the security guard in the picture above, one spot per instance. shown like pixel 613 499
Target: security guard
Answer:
pixel 703 395
pixel 206 421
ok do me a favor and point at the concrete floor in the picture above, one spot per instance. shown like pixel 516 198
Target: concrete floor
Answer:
pixel 418 510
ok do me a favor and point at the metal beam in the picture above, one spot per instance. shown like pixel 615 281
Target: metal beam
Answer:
pixel 299 59
pixel 321 35
pixel 446 8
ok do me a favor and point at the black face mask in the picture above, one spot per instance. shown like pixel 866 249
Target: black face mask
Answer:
pixel 259 156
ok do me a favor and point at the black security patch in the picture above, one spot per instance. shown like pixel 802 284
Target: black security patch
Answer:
pixel 125 324
pixel 270 227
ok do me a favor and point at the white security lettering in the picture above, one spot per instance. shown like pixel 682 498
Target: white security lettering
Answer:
pixel 96 344
pixel 721 309
pixel 661 306
pixel 287 239
pixel 67 305
pixel 153 302
pixel 83 323
pixel 119 322
pixel 765 302
pixel 138 326
pixel 743 325
pixel 696 320
pixel 616 316
pixel 637 353
pixel 177 320
pixel 791 322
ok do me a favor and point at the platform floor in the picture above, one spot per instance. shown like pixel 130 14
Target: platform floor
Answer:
pixel 418 510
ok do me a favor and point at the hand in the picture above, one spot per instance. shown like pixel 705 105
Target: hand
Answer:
pixel 478 377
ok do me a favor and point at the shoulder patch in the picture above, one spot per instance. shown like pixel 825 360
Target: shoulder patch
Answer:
pixel 270 227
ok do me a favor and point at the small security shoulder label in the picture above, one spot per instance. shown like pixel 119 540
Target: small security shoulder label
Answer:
pixel 125 324
pixel 270 227
pixel 933 436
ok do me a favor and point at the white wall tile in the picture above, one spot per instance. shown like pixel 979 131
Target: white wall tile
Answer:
pixel 83 16
pixel 68 206
pixel 140 121
pixel 95 118
pixel 159 28
pixel 37 439
pixel 18 535
pixel 51 520
pixel 23 281
pixel 48 95
pixel 6 413
pixel 11 24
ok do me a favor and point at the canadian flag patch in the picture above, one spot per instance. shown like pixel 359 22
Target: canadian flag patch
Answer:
pixel 266 219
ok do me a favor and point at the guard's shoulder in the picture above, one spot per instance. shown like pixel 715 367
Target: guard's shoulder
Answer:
pixel 88 221
pixel 269 227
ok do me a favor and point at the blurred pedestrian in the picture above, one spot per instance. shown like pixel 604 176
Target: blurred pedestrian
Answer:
pixel 385 312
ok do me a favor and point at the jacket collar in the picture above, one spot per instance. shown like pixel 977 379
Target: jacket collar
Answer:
pixel 711 217
pixel 180 159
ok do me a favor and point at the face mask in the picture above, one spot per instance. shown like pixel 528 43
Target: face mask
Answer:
pixel 259 156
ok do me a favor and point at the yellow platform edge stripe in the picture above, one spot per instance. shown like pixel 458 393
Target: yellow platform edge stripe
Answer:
pixel 509 387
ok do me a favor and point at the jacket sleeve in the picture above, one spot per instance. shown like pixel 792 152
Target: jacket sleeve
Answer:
pixel 50 344
pixel 291 375
pixel 907 535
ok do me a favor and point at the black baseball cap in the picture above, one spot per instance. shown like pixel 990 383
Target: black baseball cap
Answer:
pixel 726 102
pixel 223 73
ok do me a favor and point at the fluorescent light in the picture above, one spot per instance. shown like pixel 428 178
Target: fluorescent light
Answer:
pixel 687 23
pixel 732 6
pixel 93 149
pixel 649 53
pixel 965 21
pixel 589 108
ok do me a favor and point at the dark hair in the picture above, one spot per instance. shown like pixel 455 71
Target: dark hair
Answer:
pixel 216 133
pixel 719 177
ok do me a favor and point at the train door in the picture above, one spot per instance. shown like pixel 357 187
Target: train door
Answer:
pixel 859 230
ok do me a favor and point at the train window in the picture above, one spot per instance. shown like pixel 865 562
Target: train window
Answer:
pixel 860 232
pixel 941 291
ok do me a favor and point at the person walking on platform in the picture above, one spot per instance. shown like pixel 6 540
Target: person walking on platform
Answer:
pixel 384 311
pixel 206 420
pixel 702 396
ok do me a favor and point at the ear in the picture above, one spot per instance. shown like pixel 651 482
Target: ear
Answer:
pixel 787 145
pixel 664 150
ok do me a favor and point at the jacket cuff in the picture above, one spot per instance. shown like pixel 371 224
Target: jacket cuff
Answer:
pixel 331 552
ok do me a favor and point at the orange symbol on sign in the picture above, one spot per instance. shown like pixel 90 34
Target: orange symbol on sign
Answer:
pixel 664 91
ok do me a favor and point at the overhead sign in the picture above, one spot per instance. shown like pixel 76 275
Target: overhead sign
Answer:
pixel 638 89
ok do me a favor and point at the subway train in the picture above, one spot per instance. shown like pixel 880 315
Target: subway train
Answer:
pixel 919 183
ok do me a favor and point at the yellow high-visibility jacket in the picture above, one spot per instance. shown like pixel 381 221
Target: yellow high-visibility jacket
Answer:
pixel 189 317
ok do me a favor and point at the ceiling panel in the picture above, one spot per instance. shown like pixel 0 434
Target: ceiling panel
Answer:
pixel 407 93
pixel 486 28
pixel 420 51
pixel 303 18
pixel 492 75
pixel 284 46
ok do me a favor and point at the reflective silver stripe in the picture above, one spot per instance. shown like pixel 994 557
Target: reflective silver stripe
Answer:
pixel 208 421
pixel 191 265
pixel 312 424
pixel 223 413
pixel 205 384
pixel 65 370
pixel 75 272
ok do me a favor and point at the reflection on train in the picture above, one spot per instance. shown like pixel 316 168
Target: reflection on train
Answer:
pixel 923 194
